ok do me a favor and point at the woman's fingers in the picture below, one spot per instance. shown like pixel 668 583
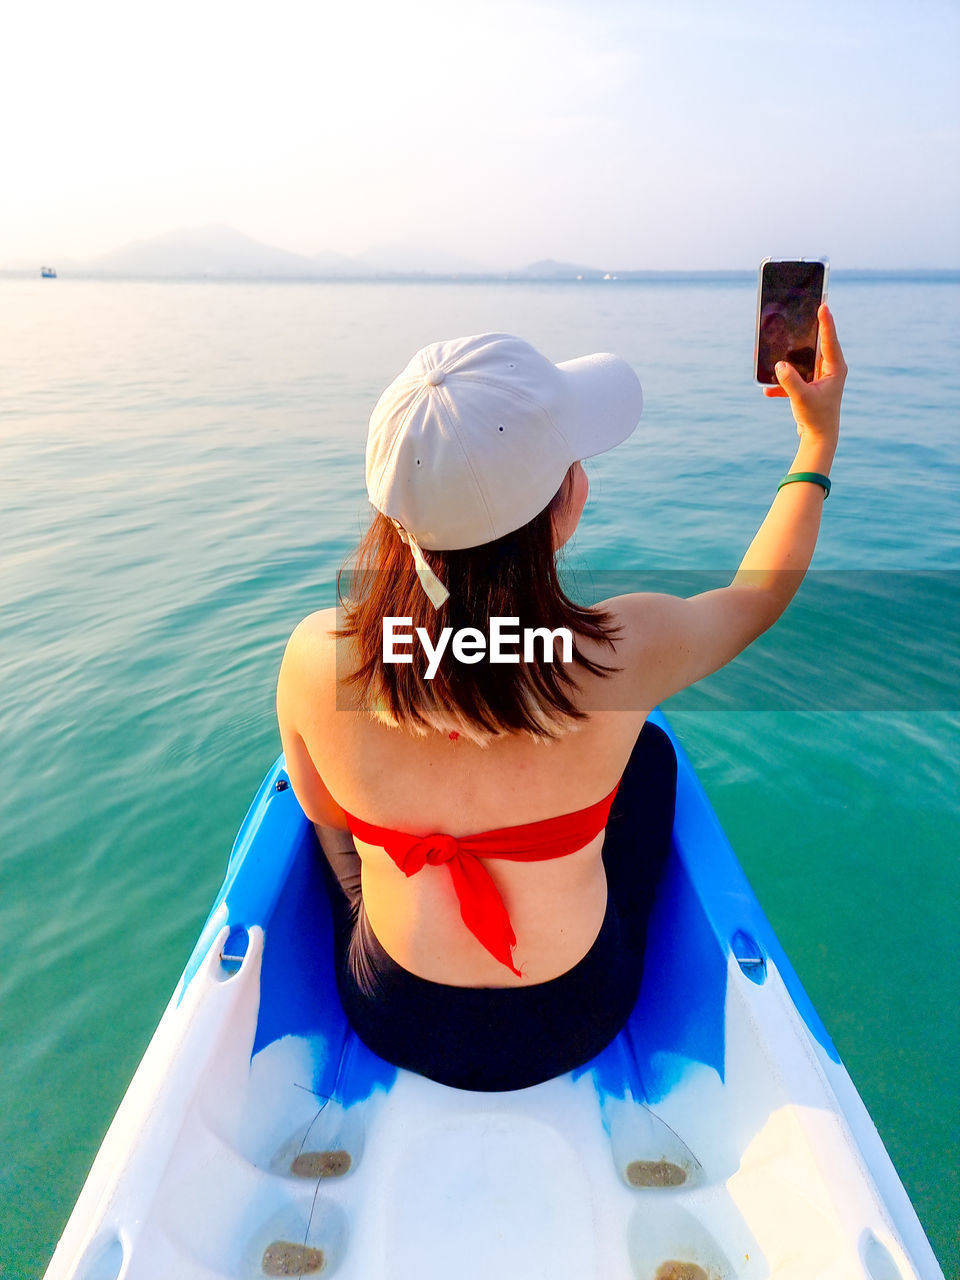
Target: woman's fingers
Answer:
pixel 830 361
pixel 789 378
pixel 831 355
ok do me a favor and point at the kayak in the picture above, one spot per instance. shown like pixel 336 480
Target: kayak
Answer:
pixel 718 1137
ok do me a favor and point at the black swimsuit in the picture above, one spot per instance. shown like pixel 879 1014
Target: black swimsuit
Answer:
pixel 495 1038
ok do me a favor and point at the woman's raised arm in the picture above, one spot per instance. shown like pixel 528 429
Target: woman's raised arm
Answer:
pixel 680 641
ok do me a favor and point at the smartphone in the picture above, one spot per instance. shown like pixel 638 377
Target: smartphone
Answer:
pixel 787 329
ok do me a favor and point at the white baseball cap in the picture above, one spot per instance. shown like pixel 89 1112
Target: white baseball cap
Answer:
pixel 475 436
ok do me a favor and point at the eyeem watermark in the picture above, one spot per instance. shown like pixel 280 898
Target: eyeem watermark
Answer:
pixel 469 644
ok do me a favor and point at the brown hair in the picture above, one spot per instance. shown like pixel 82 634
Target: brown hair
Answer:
pixel 514 576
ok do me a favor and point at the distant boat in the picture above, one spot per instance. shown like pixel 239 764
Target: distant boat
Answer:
pixel 48 273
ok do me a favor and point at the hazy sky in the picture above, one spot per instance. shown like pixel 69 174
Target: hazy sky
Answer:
pixel 643 134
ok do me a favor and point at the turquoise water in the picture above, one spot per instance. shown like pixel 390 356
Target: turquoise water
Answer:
pixel 181 468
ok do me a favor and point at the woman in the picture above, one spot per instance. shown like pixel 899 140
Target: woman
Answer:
pixel 490 886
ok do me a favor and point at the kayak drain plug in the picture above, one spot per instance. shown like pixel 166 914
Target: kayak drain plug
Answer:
pixel 281 784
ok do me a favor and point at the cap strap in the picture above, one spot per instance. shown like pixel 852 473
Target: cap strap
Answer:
pixel 435 591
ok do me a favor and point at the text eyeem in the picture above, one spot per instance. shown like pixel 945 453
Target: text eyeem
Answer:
pixel 469 644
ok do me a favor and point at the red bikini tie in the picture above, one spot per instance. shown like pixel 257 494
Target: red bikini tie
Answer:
pixel 481 907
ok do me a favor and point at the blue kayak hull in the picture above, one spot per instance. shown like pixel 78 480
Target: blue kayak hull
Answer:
pixel 718 1136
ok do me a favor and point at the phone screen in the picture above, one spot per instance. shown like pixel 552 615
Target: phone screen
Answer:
pixel 790 293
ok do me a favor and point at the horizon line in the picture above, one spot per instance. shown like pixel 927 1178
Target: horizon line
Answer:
pixel 590 275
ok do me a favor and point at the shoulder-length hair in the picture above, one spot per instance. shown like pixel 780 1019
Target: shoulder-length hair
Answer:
pixel 512 577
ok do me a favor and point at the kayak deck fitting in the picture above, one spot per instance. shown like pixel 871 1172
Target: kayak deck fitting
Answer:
pixel 718 1137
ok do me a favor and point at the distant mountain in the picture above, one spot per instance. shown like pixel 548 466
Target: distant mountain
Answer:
pixel 223 253
pixel 214 251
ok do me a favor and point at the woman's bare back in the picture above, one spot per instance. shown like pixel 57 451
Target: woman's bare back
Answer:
pixel 396 779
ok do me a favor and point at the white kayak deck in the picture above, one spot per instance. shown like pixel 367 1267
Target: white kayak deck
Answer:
pixel 718 1138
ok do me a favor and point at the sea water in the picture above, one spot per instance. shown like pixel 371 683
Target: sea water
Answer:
pixel 181 468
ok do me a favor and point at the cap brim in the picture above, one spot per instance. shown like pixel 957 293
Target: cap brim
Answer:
pixel 605 403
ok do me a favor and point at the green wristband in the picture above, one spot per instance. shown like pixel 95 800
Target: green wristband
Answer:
pixel 814 476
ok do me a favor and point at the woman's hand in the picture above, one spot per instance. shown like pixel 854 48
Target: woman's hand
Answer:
pixel 816 405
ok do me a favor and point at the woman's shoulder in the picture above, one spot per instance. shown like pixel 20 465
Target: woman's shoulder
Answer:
pixel 316 630
pixel 637 623
pixel 645 640
pixel 310 654
pixel 647 622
